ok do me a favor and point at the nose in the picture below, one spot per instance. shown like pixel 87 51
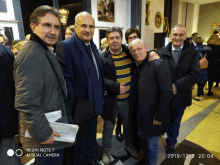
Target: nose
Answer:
pixel 52 30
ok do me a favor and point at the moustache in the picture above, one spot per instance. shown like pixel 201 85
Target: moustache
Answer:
pixel 51 36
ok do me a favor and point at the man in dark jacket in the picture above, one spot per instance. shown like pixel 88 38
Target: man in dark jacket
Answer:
pixel 83 72
pixel 184 68
pixel 151 92
pixel 40 86
pixel 117 63
pixel 8 114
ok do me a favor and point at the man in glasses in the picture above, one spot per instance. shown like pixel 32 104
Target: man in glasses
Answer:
pixel 79 60
pixel 184 69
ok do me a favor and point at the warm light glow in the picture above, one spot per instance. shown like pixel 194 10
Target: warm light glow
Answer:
pixel 64 15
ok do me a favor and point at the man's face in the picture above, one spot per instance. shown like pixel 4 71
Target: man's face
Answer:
pixel 138 52
pixel 114 41
pixel 178 36
pixel 84 28
pixel 47 29
pixel 132 37
pixel 68 33
pixel 195 36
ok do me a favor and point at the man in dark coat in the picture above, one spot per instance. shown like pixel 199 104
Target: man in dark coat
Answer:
pixel 8 114
pixel 82 69
pixel 117 63
pixel 40 87
pixel 184 68
pixel 151 93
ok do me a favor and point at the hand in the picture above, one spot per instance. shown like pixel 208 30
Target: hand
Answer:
pixel 153 56
pixel 123 88
pixel 155 122
pixel 174 89
pixel 50 140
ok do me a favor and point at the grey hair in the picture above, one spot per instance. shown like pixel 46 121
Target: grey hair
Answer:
pixel 177 25
pixel 134 41
pixel 83 13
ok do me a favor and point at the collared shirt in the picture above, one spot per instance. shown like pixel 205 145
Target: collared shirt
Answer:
pixel 52 50
pixel 94 60
pixel 193 43
pixel 176 53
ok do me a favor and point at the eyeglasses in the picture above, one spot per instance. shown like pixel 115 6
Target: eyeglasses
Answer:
pixel 134 37
pixel 138 50
pixel 84 26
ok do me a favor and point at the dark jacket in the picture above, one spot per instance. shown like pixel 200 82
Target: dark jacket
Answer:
pixel 78 73
pixel 203 50
pixel 8 114
pixel 151 93
pixel 111 84
pixel 40 88
pixel 184 74
pixel 214 64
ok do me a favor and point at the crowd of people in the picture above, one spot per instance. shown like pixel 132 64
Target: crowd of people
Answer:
pixel 147 91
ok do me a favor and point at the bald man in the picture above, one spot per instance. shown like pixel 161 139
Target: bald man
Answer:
pixel 79 60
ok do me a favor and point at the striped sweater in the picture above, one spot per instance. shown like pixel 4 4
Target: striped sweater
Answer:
pixel 123 72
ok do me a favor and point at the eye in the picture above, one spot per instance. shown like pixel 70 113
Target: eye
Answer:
pixel 84 26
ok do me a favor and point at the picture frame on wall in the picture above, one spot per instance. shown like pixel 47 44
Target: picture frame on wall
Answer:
pixel 106 10
pixel 3 7
pixel 158 20
pixel 147 14
pixel 166 28
pixel 215 28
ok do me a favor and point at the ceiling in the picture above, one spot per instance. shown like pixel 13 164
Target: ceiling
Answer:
pixel 201 1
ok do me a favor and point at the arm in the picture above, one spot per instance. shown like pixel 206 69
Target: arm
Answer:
pixel 112 86
pixel 164 83
pixel 190 79
pixel 29 84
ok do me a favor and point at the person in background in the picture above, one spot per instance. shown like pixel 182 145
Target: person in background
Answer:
pixel 132 34
pixel 150 99
pixel 189 40
pixel 8 114
pixel 14 42
pixel 103 46
pixel 203 51
pixel 214 63
pixel 194 36
pixel 1 39
pixel 40 86
pixel 69 31
pixel 27 37
pixel 18 47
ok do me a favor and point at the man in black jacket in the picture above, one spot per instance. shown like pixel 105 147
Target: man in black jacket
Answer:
pixel 183 62
pixel 8 114
pixel 151 92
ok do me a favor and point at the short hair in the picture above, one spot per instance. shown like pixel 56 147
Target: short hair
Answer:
pixel 83 13
pixel 177 25
pixel 113 29
pixel 199 41
pixel 130 31
pixel 71 27
pixel 188 39
pixel 19 45
pixel 134 41
pixel 41 11
pixel 193 35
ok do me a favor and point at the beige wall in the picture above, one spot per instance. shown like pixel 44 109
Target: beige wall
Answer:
pixel 208 14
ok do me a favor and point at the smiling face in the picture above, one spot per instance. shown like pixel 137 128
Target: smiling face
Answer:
pixel 47 29
pixel 178 36
pixel 114 41
pixel 84 27
pixel 138 51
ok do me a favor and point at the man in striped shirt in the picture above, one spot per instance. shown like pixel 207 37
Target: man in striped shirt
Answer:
pixel 117 63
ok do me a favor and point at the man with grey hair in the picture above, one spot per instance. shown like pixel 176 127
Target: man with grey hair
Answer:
pixel 79 60
pixel 40 87
pixel 150 97
pixel 184 69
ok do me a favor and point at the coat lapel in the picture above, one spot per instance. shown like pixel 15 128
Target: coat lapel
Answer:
pixel 110 62
pixel 57 69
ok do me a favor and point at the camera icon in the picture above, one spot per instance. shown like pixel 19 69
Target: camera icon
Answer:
pixel 17 152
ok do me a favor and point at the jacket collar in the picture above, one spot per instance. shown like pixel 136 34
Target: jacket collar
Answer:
pixel 168 48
